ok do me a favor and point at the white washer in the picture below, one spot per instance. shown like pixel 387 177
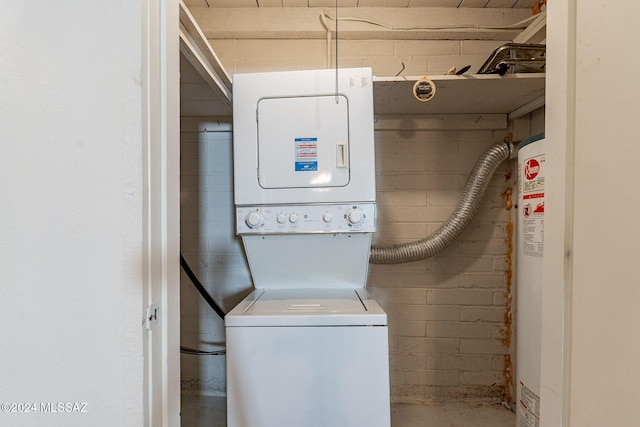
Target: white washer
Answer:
pixel 307 357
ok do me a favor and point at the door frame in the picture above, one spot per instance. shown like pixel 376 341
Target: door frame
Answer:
pixel 161 210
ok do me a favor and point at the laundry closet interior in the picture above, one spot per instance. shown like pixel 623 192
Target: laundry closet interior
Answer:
pixel 447 81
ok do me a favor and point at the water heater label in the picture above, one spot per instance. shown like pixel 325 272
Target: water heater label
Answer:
pixel 306 154
pixel 529 407
pixel 532 206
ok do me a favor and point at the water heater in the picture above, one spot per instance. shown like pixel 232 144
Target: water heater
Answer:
pixel 530 244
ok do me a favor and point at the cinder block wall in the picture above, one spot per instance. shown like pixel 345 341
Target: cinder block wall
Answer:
pixel 210 247
pixel 448 336
pixel 446 313
pixel 386 57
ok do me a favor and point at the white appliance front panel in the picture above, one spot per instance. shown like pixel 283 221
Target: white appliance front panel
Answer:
pixel 295 219
pixel 279 183
pixel 303 142
pixel 307 307
pixel 311 376
pixel 292 261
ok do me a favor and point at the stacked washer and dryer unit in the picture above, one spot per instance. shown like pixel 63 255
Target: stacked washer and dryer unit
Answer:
pixel 307 347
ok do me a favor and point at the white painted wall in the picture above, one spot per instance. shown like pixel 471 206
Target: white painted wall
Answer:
pixel 71 211
pixel 593 88
pixel 604 317
pixel 558 216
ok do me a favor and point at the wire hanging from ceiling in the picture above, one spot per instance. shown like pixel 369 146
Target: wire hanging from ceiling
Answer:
pixel 336 51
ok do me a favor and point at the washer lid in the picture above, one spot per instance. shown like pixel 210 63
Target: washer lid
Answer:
pixel 307 307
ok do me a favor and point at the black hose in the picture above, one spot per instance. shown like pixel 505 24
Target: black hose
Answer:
pixel 200 288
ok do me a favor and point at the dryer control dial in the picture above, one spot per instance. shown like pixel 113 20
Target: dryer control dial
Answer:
pixel 355 216
pixel 254 219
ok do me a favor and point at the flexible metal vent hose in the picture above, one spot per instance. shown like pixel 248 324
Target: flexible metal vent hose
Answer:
pixel 460 219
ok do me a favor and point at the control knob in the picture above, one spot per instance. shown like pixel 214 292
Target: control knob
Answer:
pixel 254 219
pixel 355 216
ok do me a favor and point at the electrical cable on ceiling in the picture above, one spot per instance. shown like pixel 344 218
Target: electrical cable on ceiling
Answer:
pixel 324 23
pixel 518 25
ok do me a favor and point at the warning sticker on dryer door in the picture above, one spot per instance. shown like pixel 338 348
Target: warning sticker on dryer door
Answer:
pixel 306 154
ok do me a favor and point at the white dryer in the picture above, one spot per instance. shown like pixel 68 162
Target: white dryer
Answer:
pixel 308 347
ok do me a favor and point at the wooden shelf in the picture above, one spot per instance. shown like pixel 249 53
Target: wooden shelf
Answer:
pixel 466 94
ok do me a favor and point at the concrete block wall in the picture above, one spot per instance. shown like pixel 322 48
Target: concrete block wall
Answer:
pixel 446 313
pixel 386 57
pixel 448 337
pixel 210 247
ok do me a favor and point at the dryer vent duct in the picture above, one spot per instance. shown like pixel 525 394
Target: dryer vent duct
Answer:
pixel 459 220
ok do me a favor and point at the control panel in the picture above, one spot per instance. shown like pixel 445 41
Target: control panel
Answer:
pixel 291 219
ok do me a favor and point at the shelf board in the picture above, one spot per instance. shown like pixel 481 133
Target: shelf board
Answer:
pixel 205 86
pixel 473 94
pixel 465 94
